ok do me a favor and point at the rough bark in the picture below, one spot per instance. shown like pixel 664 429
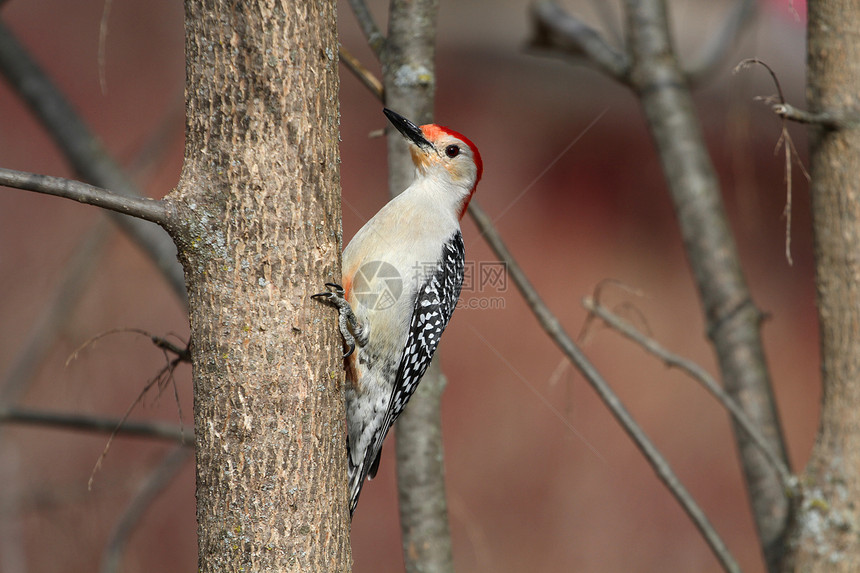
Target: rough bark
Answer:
pixel 733 320
pixel 409 77
pixel 256 217
pixel 825 536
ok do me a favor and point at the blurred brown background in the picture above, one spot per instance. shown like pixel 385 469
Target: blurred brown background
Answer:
pixel 540 478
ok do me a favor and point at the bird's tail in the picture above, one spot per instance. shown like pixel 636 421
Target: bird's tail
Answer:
pixel 356 480
pixel 357 473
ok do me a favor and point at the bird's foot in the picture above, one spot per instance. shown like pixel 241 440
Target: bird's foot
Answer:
pixel 350 328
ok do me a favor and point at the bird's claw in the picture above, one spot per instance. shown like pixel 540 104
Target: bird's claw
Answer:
pixel 337 293
pixel 346 317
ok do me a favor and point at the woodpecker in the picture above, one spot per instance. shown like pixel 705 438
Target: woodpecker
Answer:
pixel 402 274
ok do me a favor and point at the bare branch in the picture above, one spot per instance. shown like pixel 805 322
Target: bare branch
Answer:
pixel 161 379
pixel 368 26
pixel 420 456
pixel 409 76
pixel 750 62
pixel 788 146
pixel 698 373
pixel 154 484
pixel 183 354
pixel 830 119
pixel 81 422
pixel 143 208
pixel 84 151
pixel 426 536
pixel 790 151
pixel 733 320
pixel 556 30
pixel 785 141
pixel 608 17
pixel 740 16
pixel 553 328
pixel 363 74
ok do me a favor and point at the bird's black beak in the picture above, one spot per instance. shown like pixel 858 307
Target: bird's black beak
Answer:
pixel 409 130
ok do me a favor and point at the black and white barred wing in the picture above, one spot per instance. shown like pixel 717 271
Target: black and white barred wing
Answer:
pixel 433 308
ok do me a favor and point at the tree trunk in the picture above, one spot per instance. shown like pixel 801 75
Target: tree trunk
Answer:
pixel 826 528
pixel 409 76
pixel 256 217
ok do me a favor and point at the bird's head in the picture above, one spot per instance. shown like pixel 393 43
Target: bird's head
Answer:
pixel 442 152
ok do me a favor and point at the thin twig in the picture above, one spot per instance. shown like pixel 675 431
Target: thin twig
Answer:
pixel 554 329
pixel 154 484
pixel 144 208
pixel 585 332
pixel 787 144
pixel 368 26
pixel 86 423
pixel 830 119
pixel 826 119
pixel 750 62
pixel 701 375
pixel 161 379
pixel 363 74
pixel 785 111
pixel 182 352
pixel 554 29
pixel 790 151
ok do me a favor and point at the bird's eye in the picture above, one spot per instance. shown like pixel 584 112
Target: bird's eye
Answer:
pixel 452 151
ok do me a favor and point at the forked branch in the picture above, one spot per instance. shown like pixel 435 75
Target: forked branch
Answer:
pixel 556 30
pixel 787 112
pixel 553 328
pixel 733 321
pixel 699 374
pixel 829 119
